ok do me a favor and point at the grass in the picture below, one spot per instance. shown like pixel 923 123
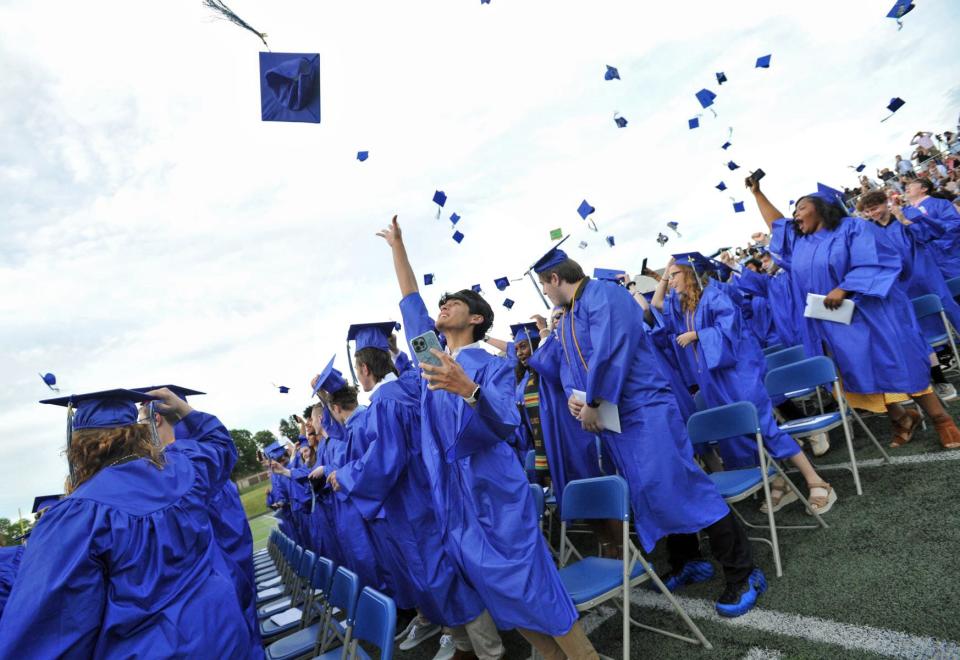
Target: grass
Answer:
pixel 254 499
pixel 261 527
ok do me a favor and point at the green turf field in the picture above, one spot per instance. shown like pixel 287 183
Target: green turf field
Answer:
pixel 261 527
pixel 254 499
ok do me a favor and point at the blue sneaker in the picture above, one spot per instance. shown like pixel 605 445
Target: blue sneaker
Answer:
pixel 692 572
pixel 738 599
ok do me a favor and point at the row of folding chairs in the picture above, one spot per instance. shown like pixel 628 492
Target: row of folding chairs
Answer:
pixel 309 608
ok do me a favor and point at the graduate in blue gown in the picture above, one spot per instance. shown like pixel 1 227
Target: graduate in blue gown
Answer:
pixel 126 565
pixel 608 357
pixel 9 566
pixel 389 485
pixel 881 351
pixel 479 489
pixel 773 286
pixel 946 248
pixel 278 497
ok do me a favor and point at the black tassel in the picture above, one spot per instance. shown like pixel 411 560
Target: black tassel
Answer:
pixel 228 14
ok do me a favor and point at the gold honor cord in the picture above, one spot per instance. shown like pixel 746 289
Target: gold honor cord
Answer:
pixel 573 330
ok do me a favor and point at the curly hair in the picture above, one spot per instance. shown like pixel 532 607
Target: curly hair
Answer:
pixel 691 296
pixel 91 450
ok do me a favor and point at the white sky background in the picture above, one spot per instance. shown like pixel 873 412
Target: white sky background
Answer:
pixel 155 230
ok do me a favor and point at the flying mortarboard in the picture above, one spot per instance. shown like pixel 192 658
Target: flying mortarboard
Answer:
pixel 582 245
pixel 556 234
pixel 621 122
pixel 763 62
pixel 611 241
pixel 476 288
pixel 585 209
pixel 108 409
pixel 732 166
pixel 50 381
pixel 439 198
pixel 371 335
pixel 454 218
pixel 363 155
pixel 330 379
pixel 721 186
pixel 899 10
pixel 608 274
pixel 45 501
pixel 662 239
pixel 858 168
pixel 725 145
pixel 611 73
pixel 508 303
pixel 895 104
pixel 458 236
pixel 502 283
pixel 738 207
pixel 290 87
pixel 484 2
pixel 693 123
pixel 283 389
pixel 705 97
pixel 428 279
pixel 673 224
pixel 721 78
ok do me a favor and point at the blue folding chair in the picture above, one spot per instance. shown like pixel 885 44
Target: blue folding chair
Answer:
pixel 785 356
pixel 282 584
pixel 820 372
pixel 931 305
pixel 591 581
pixel 735 420
pixel 773 349
pixel 376 624
pixel 292 617
pixel 953 284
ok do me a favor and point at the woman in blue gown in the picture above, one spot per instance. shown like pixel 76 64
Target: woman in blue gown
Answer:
pixel 880 355
pixel 9 566
pixel 730 368
pixel 126 564
pixel 946 248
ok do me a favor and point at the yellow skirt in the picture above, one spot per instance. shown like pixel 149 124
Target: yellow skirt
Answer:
pixel 877 403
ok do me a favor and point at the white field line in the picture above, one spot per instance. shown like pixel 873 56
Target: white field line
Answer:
pixel 756 653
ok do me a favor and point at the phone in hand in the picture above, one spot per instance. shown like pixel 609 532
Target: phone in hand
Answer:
pixel 643 267
pixel 421 346
pixel 260 456
pixel 756 176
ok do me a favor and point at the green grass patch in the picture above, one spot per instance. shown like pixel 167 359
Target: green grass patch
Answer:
pixel 261 528
pixel 255 500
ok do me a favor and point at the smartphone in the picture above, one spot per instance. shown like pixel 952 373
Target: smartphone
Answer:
pixel 643 267
pixel 421 345
pixel 757 175
pixel 260 456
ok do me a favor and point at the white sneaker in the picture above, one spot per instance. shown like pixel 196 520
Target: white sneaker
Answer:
pixel 820 444
pixel 419 633
pixel 946 391
pixel 447 648
pixel 406 631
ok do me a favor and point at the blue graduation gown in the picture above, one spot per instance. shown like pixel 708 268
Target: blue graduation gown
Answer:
pixel 9 566
pixel 881 350
pixel 685 365
pixel 323 522
pixel 668 354
pixel 126 565
pixel 572 453
pixel 786 314
pixel 280 494
pixel 608 355
pixel 301 498
pixel 731 368
pixel 946 248
pixel 391 479
pixel 481 494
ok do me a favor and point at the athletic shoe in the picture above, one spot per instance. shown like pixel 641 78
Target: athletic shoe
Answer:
pixel 406 631
pixel 738 599
pixel 820 444
pixel 946 391
pixel 693 571
pixel 447 648
pixel 418 634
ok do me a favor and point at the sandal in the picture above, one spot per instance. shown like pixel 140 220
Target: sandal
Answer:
pixel 902 430
pixel 949 433
pixel 821 503
pixel 780 495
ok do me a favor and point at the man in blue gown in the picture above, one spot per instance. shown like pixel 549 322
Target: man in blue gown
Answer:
pixel 608 357
pixel 480 491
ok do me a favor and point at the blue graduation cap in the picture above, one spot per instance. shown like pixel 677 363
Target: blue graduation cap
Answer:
pixel 508 303
pixel 705 97
pixel 732 166
pixel 330 379
pixel 290 87
pixel 895 104
pixel 427 279
pixel 829 195
pixel 722 269
pixel 182 392
pixel 50 380
pixel 611 241
pixel 476 288
pixel 620 121
pixel 693 123
pixel 763 62
pixel 721 77
pixel 725 145
pixel 693 259
pixel 607 274
pixel 526 332
pixel 585 209
pixel 554 257
pixel 502 283
pixel 371 335
pixel 283 389
pixel 363 155
pixel 899 10
pixel 721 186
pixel 108 409
pixel 454 218
pixel 439 197
pixel 662 239
pixel 738 207
pixel 45 501
pixel 859 168
pixel 484 2
pixel 275 451
pixel 673 224
pixel 458 236
pixel 582 245
pixel 611 73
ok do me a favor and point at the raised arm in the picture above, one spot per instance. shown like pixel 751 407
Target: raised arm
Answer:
pixel 401 263
pixel 661 291
pixel 768 211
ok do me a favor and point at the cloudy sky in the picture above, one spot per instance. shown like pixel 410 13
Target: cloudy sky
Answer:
pixel 155 230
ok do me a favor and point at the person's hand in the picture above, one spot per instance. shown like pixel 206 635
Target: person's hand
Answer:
pixel 649 272
pixel 392 233
pixel 624 278
pixel 575 405
pixel 752 185
pixel 540 321
pixel 449 376
pixel 392 342
pixel 686 338
pixel 835 298
pixel 302 424
pixel 590 419
pixel 170 403
pixel 758 237
pixel 317 473
pixel 332 481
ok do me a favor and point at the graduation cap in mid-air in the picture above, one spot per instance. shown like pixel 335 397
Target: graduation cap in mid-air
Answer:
pixel 290 87
pixel 895 104
pixel 508 303
pixel 732 166
pixel 458 236
pixel 673 224
pixel 899 10
pixel 721 77
pixel 621 122
pixel 611 73
pixel 454 218
pixel 582 245
pixel 763 62
pixel 611 241
pixel 706 98
pixel 502 283
pixel 427 279
pixel 363 155
pixel 585 209
pixel 726 145
pixel 50 381
pixel 721 186
pixel 556 234
pixel 476 288
pixel 439 198
pixel 858 168
pixel 738 207
pixel 662 239
pixel 693 123
pixel 283 389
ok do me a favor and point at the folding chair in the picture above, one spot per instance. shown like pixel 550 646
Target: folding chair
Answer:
pixel 591 581
pixel 284 584
pixel 792 355
pixel 953 284
pixel 292 617
pixel 376 623
pixel 930 305
pixel 773 349
pixel 270 570
pixel 731 421
pixel 816 372
pixel 319 581
pixel 549 499
pixel 269 561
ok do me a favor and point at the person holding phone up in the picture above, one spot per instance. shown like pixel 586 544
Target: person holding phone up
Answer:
pixel 467 416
